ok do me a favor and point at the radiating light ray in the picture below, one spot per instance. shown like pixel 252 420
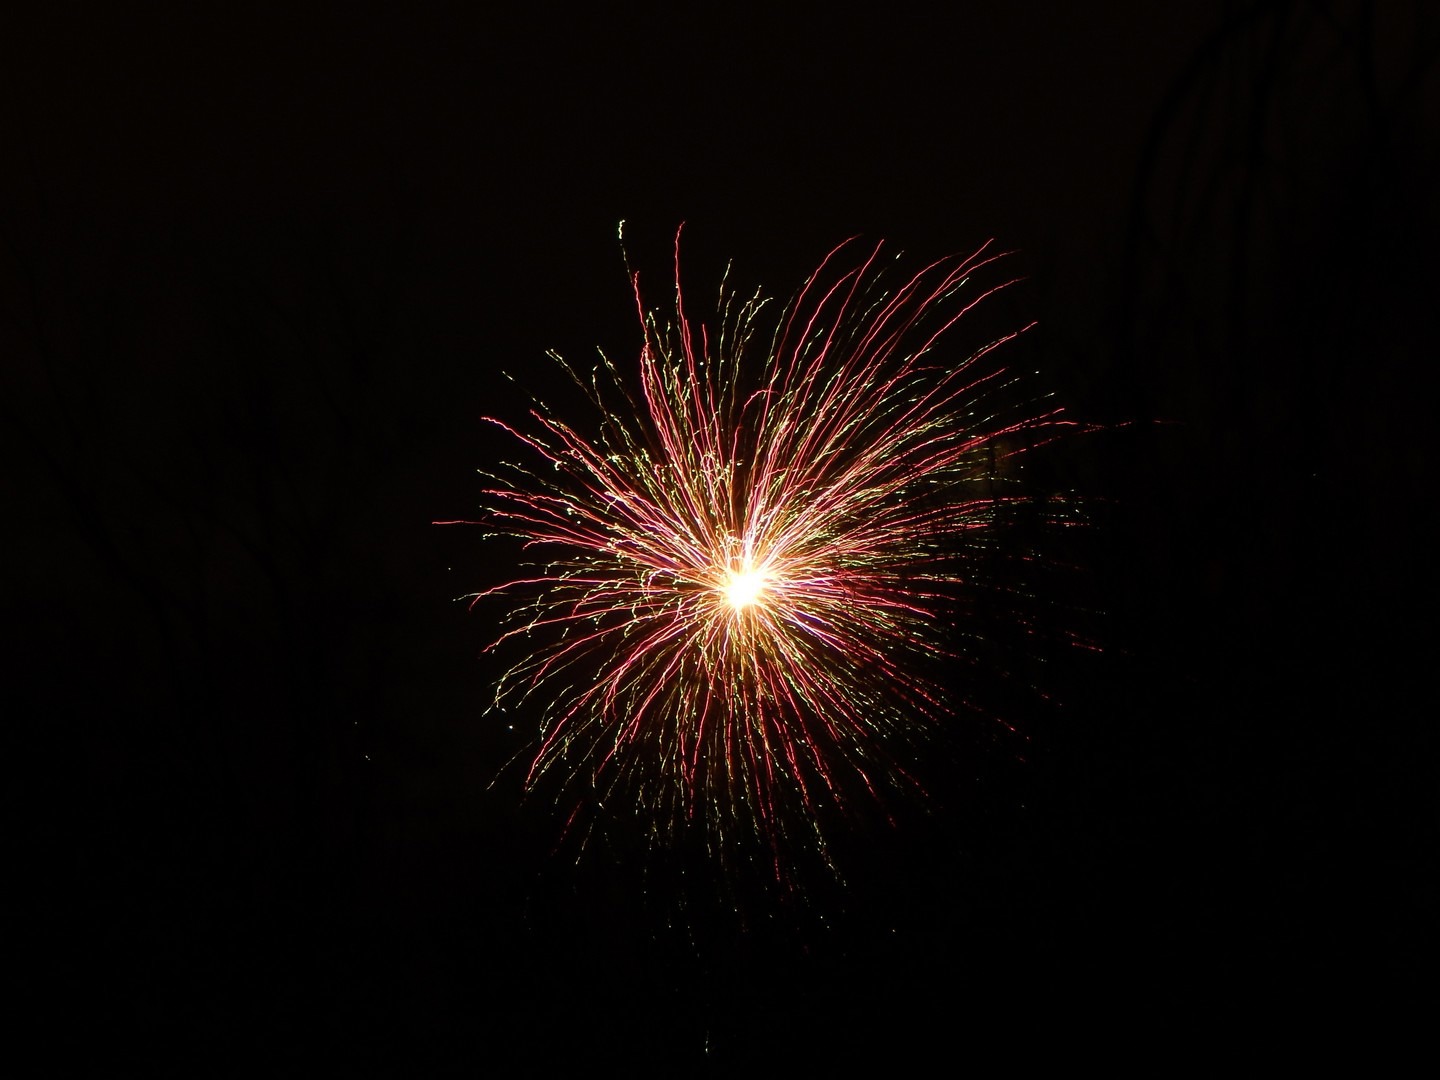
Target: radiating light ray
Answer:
pixel 752 567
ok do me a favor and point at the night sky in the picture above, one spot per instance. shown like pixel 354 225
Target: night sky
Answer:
pixel 260 277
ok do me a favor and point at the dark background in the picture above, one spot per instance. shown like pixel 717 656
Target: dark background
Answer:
pixel 259 275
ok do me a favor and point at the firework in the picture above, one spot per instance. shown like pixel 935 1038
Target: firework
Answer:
pixel 748 569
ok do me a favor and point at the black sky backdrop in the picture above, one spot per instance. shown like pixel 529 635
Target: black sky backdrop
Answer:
pixel 260 273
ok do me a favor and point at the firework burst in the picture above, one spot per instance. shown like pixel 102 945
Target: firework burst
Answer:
pixel 749 570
